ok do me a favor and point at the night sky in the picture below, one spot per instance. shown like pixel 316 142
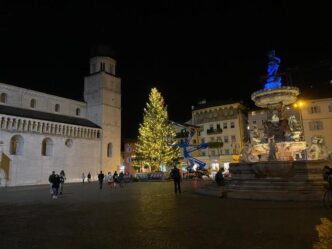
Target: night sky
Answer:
pixel 188 51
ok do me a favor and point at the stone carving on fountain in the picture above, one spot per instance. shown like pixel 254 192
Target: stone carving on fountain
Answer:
pixel 282 135
pixel 318 149
pixel 270 166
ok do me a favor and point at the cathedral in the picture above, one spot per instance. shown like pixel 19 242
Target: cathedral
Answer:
pixel 41 133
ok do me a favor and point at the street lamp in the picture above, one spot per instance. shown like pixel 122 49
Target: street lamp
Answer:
pixel 298 105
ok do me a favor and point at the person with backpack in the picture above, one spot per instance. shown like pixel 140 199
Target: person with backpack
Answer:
pixel 175 174
pixel 219 178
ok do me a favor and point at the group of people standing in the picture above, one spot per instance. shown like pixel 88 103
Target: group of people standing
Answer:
pixel 56 182
pixel 112 180
pixel 88 177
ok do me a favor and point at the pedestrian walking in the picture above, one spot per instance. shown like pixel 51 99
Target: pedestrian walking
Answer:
pixel 50 180
pixel 175 174
pixel 89 177
pixel 115 178
pixel 110 179
pixel 62 180
pixel 121 179
pixel 219 178
pixel 55 180
pixel 101 179
pixel 83 177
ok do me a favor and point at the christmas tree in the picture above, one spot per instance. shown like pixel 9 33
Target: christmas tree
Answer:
pixel 156 135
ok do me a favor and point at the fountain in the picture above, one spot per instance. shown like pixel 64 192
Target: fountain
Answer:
pixel 274 164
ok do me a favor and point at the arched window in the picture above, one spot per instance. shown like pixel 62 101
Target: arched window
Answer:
pixel 3 98
pixel 78 112
pixel 330 107
pixel 109 150
pixel 33 103
pixel 47 147
pixel 16 145
pixel 57 108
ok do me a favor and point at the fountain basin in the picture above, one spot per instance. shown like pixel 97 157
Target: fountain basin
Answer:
pixel 274 98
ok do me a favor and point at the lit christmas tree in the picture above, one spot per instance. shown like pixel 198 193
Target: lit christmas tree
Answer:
pixel 156 135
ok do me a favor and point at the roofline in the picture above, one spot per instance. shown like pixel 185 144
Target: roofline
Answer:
pixel 37 92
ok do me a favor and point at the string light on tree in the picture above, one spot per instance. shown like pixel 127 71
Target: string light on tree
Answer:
pixel 156 134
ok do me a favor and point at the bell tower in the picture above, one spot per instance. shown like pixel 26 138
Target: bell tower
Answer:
pixel 102 93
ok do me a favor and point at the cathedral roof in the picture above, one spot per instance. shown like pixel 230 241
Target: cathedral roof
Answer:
pixel 19 112
pixel 102 50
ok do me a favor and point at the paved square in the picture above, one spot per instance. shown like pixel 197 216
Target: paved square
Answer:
pixel 149 215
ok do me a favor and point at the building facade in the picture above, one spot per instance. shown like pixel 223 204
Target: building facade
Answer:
pixel 316 115
pixel 223 127
pixel 40 132
pixel 128 156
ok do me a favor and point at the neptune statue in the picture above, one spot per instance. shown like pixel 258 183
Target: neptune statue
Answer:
pixel 273 81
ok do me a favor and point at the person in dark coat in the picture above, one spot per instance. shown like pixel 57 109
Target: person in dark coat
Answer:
pixel 176 175
pixel 54 179
pixel 89 177
pixel 101 179
pixel 219 178
pixel 62 180
pixel 50 180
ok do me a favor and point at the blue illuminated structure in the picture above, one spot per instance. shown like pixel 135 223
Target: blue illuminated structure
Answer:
pixel 273 81
pixel 188 148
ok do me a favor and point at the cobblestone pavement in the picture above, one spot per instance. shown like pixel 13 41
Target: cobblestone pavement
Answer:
pixel 149 215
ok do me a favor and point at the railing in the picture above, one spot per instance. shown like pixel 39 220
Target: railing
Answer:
pixel 213 131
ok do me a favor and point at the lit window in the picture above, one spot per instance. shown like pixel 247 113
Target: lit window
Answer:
pixel 3 98
pixel 330 107
pixel 316 125
pixel 314 109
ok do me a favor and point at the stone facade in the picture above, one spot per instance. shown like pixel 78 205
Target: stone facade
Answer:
pixel 317 120
pixel 40 132
pixel 102 92
pixel 128 156
pixel 223 123
pixel 277 180
pixel 33 100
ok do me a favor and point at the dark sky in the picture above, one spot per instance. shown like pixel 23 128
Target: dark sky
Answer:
pixel 188 51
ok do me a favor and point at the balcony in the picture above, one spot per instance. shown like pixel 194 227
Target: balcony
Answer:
pixel 213 131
